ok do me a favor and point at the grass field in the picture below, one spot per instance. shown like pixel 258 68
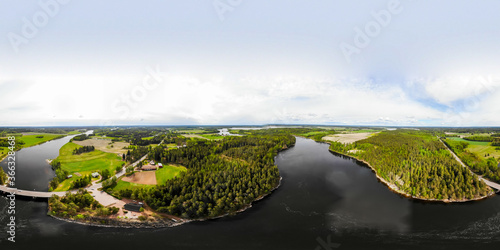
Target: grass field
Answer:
pixel 316 133
pixel 479 143
pixel 481 151
pixel 75 132
pixel 190 131
pixel 32 140
pixel 85 163
pixel 122 185
pixel 147 138
pixel 213 136
pixel 168 172
pixel 3 152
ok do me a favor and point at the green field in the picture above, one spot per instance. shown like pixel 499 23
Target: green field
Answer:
pixel 190 131
pixel 75 132
pixel 3 152
pixel 122 185
pixel 31 140
pixel 213 136
pixel 168 172
pixel 308 134
pixel 479 143
pixel 147 138
pixel 85 163
pixel 481 151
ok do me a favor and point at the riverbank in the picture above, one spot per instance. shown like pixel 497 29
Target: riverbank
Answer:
pixel 395 189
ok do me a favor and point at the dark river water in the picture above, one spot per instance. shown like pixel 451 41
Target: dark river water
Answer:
pixel 325 202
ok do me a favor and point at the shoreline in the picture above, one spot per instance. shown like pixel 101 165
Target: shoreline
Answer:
pixel 144 224
pixel 395 189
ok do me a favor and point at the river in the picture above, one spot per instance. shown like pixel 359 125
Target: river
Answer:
pixel 325 202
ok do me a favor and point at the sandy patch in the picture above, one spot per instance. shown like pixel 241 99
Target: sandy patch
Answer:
pixel 347 138
pixel 146 177
pixel 105 145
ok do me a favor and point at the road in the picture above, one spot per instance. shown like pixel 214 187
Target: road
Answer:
pixel 101 196
pixel 489 183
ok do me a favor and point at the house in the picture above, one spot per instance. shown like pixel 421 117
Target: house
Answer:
pixel 134 207
pixel 95 175
pixel 69 176
pixel 160 165
pixel 152 163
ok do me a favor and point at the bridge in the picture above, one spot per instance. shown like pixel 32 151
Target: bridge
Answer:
pixel 41 194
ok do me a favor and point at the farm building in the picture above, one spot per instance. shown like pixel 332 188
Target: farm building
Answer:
pixel 95 175
pixel 134 207
pixel 149 168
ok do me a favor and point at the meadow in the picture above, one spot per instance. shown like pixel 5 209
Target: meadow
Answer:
pixel 168 172
pixel 84 164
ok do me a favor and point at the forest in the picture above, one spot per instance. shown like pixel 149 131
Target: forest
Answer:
pixel 222 176
pixel 417 163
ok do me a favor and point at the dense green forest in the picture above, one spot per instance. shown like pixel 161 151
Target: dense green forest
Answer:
pixel 487 167
pixel 222 177
pixel 417 163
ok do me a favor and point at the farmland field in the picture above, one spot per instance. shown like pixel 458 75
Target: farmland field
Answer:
pixel 32 140
pixel 85 163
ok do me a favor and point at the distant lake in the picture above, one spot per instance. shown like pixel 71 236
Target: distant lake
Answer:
pixel 323 198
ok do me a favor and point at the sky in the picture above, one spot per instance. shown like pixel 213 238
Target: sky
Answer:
pixel 242 62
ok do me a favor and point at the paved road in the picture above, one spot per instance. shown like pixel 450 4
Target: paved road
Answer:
pixel 489 183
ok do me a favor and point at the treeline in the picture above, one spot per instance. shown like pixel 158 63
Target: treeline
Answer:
pixel 81 137
pixel 417 163
pixel 84 149
pixel 80 205
pixel 81 182
pixel 487 167
pixel 3 177
pixel 222 176
pixel 61 175
pixel 479 138
pixel 136 153
pixel 4 142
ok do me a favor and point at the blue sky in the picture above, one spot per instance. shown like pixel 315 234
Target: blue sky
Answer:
pixel 409 63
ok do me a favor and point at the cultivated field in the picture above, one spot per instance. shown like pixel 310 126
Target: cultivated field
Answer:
pixel 105 145
pixel 145 177
pixel 347 138
pixel 32 140
pixel 84 164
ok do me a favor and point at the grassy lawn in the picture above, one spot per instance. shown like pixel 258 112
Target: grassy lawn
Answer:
pixel 85 163
pixel 316 133
pixel 479 143
pixel 213 136
pixel 75 132
pixel 481 150
pixel 147 138
pixel 168 172
pixel 32 140
pixel 122 185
